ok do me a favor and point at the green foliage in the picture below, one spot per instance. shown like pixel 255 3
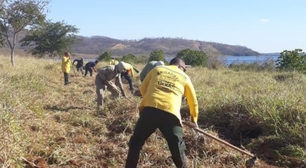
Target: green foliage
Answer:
pixel 142 59
pixel 157 55
pixel 106 56
pixel 129 58
pixel 15 15
pixel 50 39
pixel 292 60
pixel 256 66
pixel 192 57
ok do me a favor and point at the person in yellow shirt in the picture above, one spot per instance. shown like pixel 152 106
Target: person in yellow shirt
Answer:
pixel 128 74
pixel 113 62
pixel 162 91
pixel 66 64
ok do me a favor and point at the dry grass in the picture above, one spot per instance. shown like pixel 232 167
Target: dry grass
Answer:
pixel 46 124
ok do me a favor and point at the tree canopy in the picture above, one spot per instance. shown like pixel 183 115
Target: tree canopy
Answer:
pixel 192 57
pixel 157 55
pixel 16 15
pixel 294 60
pixel 106 56
pixel 130 58
pixel 51 39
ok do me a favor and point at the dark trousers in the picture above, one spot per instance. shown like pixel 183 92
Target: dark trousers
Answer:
pixel 129 79
pixel 151 119
pixel 80 68
pixel 88 70
pixel 66 78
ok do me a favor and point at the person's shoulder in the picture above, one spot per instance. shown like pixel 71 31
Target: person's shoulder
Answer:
pixel 109 68
pixel 152 62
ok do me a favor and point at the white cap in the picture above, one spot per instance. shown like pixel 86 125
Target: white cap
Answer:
pixel 159 63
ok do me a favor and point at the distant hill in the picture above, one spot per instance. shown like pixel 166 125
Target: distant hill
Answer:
pixel 171 46
pixel 96 45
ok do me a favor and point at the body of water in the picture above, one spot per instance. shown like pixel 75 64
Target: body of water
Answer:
pixel 227 60
pixel 247 59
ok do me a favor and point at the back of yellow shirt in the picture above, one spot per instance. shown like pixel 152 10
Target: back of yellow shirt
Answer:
pixel 113 62
pixel 130 68
pixel 163 89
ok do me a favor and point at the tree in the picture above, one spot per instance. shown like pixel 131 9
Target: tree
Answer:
pixel 18 14
pixel 129 58
pixel 157 55
pixel 2 31
pixel 50 38
pixel 192 57
pixel 106 56
pixel 292 60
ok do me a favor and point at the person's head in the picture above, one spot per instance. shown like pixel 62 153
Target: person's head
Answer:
pixel 159 63
pixel 179 62
pixel 121 66
pixel 96 61
pixel 82 59
pixel 67 54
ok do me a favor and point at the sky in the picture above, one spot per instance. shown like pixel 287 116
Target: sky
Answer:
pixel 265 26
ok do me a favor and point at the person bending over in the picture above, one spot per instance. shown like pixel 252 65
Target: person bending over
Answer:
pixel 162 91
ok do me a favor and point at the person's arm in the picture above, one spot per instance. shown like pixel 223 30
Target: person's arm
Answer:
pixel 192 101
pixel 145 83
pixel 93 68
pixel 67 60
pixel 118 80
pixel 132 72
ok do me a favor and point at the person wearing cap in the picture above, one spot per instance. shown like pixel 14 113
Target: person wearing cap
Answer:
pixel 113 62
pixel 149 66
pixel 66 64
pixel 79 65
pixel 103 81
pixel 128 74
pixel 90 67
pixel 162 91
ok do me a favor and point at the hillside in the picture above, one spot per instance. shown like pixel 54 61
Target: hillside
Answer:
pixel 97 45
pixel 170 46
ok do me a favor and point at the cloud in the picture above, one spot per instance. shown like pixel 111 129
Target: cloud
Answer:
pixel 264 20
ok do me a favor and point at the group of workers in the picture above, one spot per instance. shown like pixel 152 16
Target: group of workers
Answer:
pixel 66 66
pixel 162 88
pixel 89 67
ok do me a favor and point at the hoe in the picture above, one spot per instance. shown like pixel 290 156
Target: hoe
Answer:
pixel 249 163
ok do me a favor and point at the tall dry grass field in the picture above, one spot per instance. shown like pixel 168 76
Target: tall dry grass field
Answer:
pixel 46 124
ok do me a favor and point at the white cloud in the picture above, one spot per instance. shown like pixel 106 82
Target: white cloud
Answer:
pixel 264 20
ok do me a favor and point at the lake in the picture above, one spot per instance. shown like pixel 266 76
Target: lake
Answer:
pixel 248 59
pixel 227 60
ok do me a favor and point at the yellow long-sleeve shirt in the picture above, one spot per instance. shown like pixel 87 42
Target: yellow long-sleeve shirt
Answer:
pixel 129 67
pixel 163 89
pixel 113 62
pixel 66 64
